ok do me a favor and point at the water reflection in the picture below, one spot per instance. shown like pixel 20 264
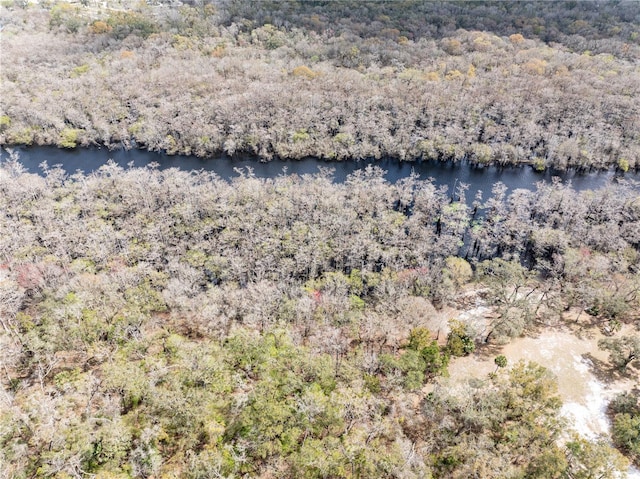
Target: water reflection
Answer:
pixel 447 174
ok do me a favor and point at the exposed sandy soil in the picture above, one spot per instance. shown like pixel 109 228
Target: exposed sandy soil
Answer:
pixel 586 381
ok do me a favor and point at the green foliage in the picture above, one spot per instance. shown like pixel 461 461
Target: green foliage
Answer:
pixel 174 324
pixel 458 270
pixel 539 164
pixel 532 391
pixel 505 281
pixel 501 273
pixel 145 298
pixel 79 70
pixel 66 15
pixel 419 338
pixel 83 265
pixel 343 139
pixel 129 380
pixel 110 447
pixel 422 360
pixel 593 460
pixel 626 403
pixel 623 165
pixel 69 138
pixel 64 379
pixel 300 135
pixel 626 434
pixel 21 136
pixel 268 36
pixel 127 23
pixel 180 42
pixel 625 410
pixel 136 128
pixel 439 148
pixel 500 361
pixel 413 365
pixel 505 427
pixel 372 383
pixel 481 153
pixel 549 464
pixel 460 340
pixel 5 122
pixel 357 303
pixel 608 305
pixel 355 284
pixel 623 350
pixel 293 398
pixel 436 362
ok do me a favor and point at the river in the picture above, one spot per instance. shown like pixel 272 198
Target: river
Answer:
pixel 443 173
pixel 564 353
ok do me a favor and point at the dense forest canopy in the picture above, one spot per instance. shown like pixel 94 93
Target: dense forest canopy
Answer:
pixel 548 21
pixel 546 83
pixel 173 323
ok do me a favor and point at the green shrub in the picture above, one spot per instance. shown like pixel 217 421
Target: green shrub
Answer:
pixel 460 340
pixel 300 135
pixel 79 70
pixel 344 139
pixel 123 24
pixel 539 164
pixel 68 138
pixel 5 122
pixel 623 165
pixel 21 136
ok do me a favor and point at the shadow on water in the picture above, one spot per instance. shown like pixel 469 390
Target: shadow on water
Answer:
pixel 479 178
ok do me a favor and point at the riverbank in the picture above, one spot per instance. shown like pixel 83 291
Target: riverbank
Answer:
pixel 449 174
pixel 120 150
pixel 203 83
pixel 165 321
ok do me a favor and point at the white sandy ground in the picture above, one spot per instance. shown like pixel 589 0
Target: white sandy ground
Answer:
pixel 569 357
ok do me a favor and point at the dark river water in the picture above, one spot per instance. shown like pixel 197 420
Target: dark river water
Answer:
pixel 478 178
pixel 449 174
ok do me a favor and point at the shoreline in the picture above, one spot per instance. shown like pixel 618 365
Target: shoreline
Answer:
pixel 250 156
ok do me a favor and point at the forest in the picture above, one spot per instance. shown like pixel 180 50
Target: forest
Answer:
pixel 547 84
pixel 173 324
